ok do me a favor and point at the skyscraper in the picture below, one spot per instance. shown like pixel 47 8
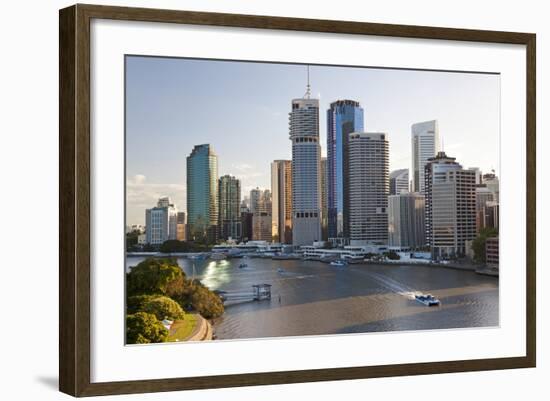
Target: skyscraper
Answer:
pixel 229 199
pixel 368 188
pixel 425 145
pixel 406 225
pixel 161 222
pixel 281 193
pixel 450 206
pixel 343 118
pixel 306 177
pixel 399 181
pixel 324 199
pixel 202 194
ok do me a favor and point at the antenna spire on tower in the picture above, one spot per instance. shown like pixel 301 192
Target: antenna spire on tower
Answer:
pixel 308 87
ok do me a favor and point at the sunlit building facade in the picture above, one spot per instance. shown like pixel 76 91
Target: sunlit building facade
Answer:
pixel 450 206
pixel 281 193
pixel 368 188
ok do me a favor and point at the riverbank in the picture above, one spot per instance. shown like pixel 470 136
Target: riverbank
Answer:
pixel 194 328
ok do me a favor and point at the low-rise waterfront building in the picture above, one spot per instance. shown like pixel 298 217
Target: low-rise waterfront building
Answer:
pixel 161 222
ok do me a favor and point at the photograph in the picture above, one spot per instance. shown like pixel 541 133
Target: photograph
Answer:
pixel 269 199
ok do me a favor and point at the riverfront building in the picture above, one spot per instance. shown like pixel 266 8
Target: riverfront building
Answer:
pixel 324 199
pixel 281 208
pixel 492 252
pixel 399 181
pixel 181 229
pixel 261 209
pixel 161 222
pixel 368 188
pixel 229 199
pixel 343 118
pixel 406 225
pixel 450 206
pixel 306 177
pixel 483 196
pixel 425 144
pixel 202 194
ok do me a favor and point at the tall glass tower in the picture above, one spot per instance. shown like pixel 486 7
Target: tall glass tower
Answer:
pixel 229 202
pixel 343 118
pixel 202 194
pixel 306 175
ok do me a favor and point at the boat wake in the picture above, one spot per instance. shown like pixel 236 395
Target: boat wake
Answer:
pixel 393 285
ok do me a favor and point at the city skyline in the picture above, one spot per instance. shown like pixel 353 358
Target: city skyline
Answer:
pixel 155 110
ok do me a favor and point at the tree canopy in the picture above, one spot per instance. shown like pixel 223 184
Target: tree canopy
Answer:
pixel 478 244
pixel 152 276
pixel 144 328
pixel 163 308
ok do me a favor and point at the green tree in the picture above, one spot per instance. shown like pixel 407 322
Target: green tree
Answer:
pixel 144 328
pixel 135 303
pixel 163 308
pixel 152 276
pixel 478 244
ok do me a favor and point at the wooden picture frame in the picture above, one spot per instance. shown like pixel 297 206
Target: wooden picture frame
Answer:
pixel 74 199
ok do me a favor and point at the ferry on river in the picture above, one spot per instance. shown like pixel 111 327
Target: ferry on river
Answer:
pixel 339 263
pixel 427 299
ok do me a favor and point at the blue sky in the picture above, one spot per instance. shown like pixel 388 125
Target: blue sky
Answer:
pixel 241 109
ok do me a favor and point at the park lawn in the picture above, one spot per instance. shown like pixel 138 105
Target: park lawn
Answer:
pixel 182 329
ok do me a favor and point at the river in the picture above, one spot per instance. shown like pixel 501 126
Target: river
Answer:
pixel 314 298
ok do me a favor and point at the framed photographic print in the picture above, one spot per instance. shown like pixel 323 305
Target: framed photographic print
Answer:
pixel 250 200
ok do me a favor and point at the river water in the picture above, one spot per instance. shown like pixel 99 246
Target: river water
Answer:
pixel 314 298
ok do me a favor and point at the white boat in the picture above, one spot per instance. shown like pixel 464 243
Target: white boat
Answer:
pixel 427 299
pixel 339 263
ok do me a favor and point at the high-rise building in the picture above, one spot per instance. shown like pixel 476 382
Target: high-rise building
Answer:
pixel 261 208
pixel 425 145
pixel 406 223
pixel 324 199
pixel 181 229
pixel 306 177
pixel 490 180
pixel 399 181
pixel 368 188
pixel 281 193
pixel 202 194
pixel 450 206
pixel 343 118
pixel 161 222
pixel 229 200
pixel 483 196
